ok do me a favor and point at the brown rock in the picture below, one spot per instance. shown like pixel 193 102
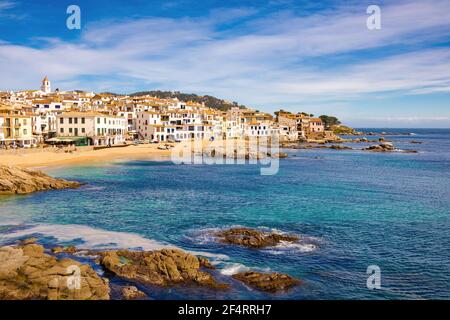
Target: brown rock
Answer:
pixel 131 292
pixel 340 147
pixel 383 147
pixel 58 250
pixel 280 155
pixel 163 268
pixel 26 272
pixel 253 238
pixel 15 180
pixel 69 249
pixel 205 263
pixel 272 282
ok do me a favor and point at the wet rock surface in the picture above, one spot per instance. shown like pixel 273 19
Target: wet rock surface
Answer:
pixel 386 147
pixel 69 250
pixel 340 147
pixel 26 272
pixel 162 268
pixel 15 180
pixel 269 282
pixel 253 238
pixel 131 293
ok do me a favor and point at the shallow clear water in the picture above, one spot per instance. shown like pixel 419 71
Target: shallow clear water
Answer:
pixel 353 209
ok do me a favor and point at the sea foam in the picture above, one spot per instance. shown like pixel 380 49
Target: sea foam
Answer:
pixel 94 238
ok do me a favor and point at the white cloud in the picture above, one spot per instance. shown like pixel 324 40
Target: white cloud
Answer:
pixel 275 60
pixel 4 5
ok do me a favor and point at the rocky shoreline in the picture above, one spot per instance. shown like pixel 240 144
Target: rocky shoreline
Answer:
pixel 252 238
pixel 378 145
pixel 220 152
pixel 27 272
pixel 30 271
pixel 15 180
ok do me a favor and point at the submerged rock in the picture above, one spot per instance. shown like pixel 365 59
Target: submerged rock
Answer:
pixel 131 292
pixel 15 180
pixel 382 147
pixel 253 238
pixel 269 282
pixel 280 155
pixel 387 147
pixel 163 268
pixel 340 147
pixel 26 272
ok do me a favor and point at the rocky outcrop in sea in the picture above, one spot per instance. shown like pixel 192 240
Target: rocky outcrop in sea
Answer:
pixel 162 268
pixel 253 238
pixel 15 180
pixel 269 282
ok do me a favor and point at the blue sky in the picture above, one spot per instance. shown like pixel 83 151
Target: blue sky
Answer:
pixel 313 56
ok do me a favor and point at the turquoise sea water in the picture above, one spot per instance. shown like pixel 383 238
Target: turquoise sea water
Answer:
pixel 351 208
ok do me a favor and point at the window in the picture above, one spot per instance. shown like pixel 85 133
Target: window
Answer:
pixel 70 130
pixel 57 106
pixel 61 130
pixel 83 130
pixel 46 106
pixel 70 120
pixel 61 120
pixel 75 120
pixel 83 120
pixel 24 131
pixel 98 120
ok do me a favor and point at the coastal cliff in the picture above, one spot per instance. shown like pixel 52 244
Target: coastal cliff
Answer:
pixel 15 180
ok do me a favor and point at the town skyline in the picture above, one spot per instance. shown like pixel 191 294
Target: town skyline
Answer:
pixel 283 54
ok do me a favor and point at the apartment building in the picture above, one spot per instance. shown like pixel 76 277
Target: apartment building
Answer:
pixel 44 125
pixel 16 129
pixel 97 128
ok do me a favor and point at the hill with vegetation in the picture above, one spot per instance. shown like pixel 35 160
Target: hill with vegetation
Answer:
pixel 209 101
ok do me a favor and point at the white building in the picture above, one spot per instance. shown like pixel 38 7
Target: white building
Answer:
pixel 131 119
pixel 48 104
pixel 98 128
pixel 259 129
pixel 46 87
pixel 231 129
pixel 173 125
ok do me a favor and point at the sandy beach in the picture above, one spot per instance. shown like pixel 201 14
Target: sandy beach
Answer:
pixel 49 157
